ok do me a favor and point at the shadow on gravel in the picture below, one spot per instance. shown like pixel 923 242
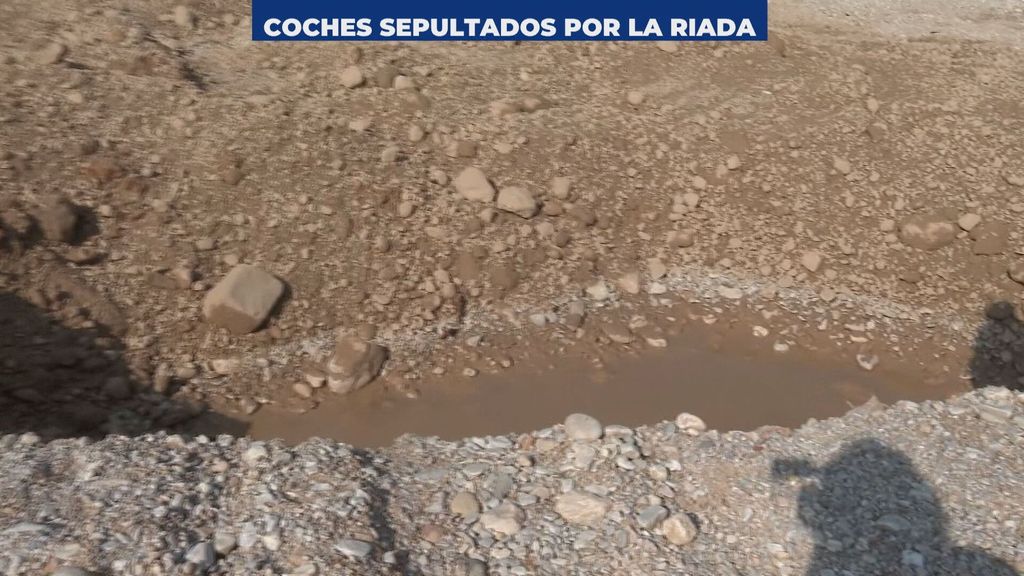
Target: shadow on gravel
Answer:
pixel 379 490
pixel 872 514
pixel 60 381
pixel 997 357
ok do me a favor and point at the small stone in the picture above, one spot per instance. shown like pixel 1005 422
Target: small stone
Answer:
pixel 635 97
pixel 598 291
pixel 669 46
pixel 461 149
pixel 506 518
pixel 811 260
pixel 53 53
pixel 969 221
pixel 58 220
pixel 355 363
pixel 630 282
pixel 583 427
pixel 927 232
pixel 353 548
pixel 203 555
pixel 679 529
pixel 690 423
pixel 183 16
pixel 71 571
pixel 582 508
pixel 560 187
pixel 650 517
pixel 517 200
pixel 243 300
pixel 473 185
pixel 1016 271
pixel 842 165
pixel 470 567
pixel 302 389
pixel 224 543
pixel 464 504
pixel 352 77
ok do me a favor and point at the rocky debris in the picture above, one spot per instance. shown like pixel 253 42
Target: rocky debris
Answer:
pixel 583 427
pixel 927 231
pixel 243 300
pixel 720 503
pixel 354 364
pixel 518 201
pixel 473 185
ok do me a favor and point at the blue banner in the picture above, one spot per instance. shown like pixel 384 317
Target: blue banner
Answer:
pixel 523 20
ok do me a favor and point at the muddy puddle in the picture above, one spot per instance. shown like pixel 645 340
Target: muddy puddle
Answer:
pixel 732 383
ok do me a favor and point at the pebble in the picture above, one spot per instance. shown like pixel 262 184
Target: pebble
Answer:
pixel 560 187
pixel 518 201
pixel 583 427
pixel 679 529
pixel 968 221
pixel 352 77
pixel 183 16
pixel 473 185
pixel 811 260
pixel 635 97
pixel 202 555
pixel 464 504
pixel 353 548
pixel 651 517
pixel 690 423
pixel 53 53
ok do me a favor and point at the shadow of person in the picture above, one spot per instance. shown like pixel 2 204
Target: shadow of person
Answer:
pixel 65 374
pixel 872 514
pixel 997 354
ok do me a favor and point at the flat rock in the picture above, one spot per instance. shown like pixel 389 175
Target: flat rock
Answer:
pixel 990 238
pixel 355 363
pixel 927 231
pixel 581 508
pixel 243 300
pixel 472 184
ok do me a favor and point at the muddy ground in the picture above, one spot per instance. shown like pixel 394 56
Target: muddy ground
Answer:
pixel 847 196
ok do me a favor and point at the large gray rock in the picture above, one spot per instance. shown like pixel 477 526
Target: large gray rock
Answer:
pixel 243 300
pixel 355 364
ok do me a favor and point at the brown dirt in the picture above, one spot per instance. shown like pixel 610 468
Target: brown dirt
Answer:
pixel 194 149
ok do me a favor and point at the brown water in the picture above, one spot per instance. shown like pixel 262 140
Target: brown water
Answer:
pixel 737 385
